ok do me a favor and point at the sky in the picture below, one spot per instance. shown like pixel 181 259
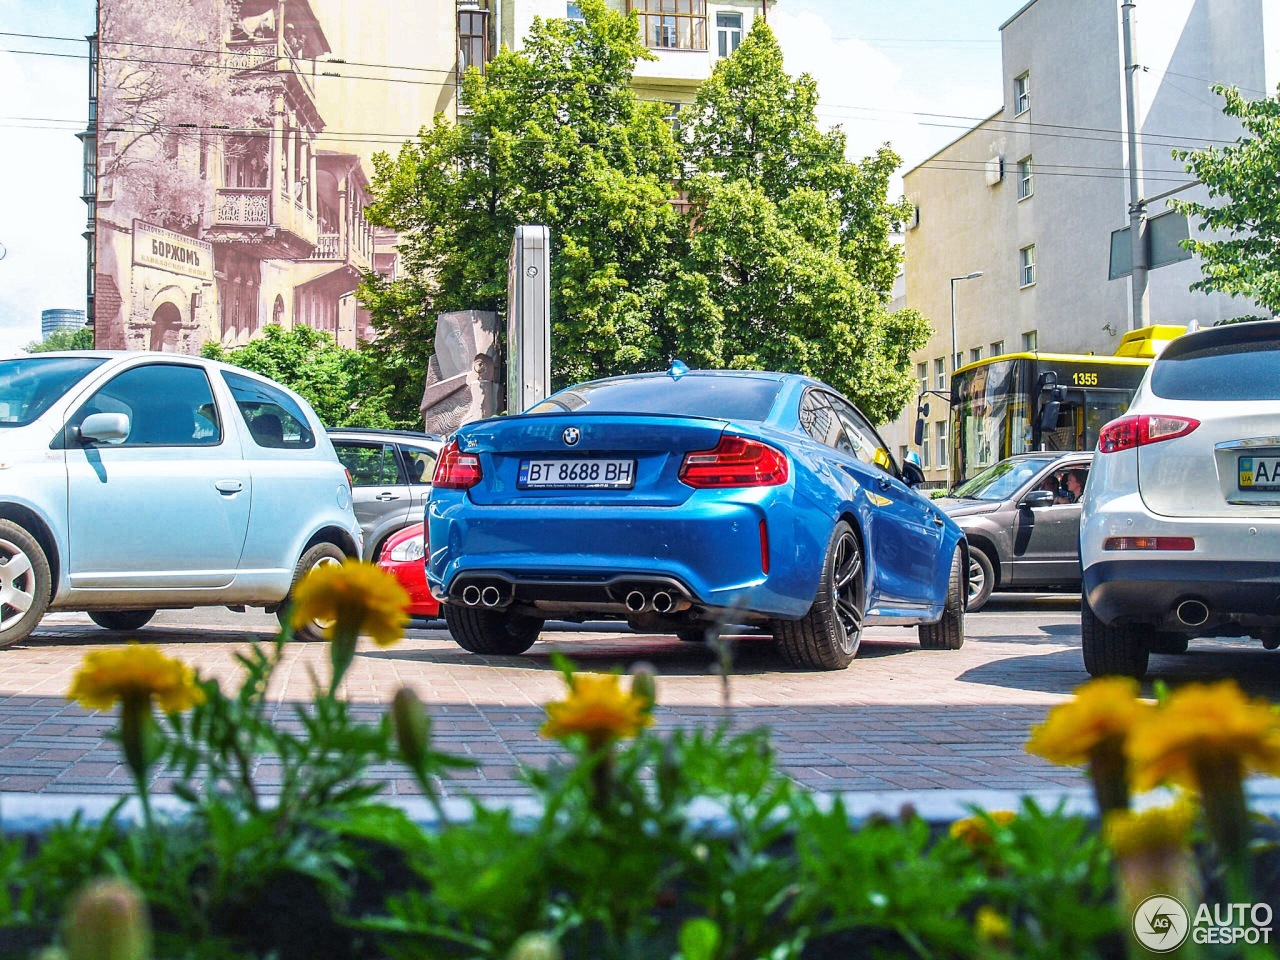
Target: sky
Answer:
pixel 912 73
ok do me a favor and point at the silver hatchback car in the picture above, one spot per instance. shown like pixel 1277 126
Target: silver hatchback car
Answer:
pixel 133 482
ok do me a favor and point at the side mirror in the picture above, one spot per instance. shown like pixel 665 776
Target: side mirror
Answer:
pixel 912 474
pixel 103 428
pixel 919 436
pixel 1037 498
pixel 1049 415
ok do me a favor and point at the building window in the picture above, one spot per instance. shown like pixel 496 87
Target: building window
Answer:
pixel 728 32
pixel 1024 178
pixel 573 12
pixel 975 354
pixel 673 24
pixel 1021 94
pixel 957 361
pixel 940 442
pixel 902 453
pixel 940 374
pixel 473 40
pixel 1027 265
pixel 1029 342
pixel 997 348
pixel 924 448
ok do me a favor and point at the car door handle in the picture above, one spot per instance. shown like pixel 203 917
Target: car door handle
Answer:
pixel 229 486
pixel 936 518
pixel 387 495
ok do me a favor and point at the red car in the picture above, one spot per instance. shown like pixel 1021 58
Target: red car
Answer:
pixel 403 556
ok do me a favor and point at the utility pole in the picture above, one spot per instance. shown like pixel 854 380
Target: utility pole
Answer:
pixel 1137 204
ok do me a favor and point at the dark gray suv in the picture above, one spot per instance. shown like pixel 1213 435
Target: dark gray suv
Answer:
pixel 1022 519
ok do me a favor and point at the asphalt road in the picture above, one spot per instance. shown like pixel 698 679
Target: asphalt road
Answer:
pixel 899 717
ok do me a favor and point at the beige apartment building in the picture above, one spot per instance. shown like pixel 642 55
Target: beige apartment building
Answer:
pixel 266 222
pixel 1030 196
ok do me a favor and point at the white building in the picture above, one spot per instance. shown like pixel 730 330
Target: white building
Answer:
pixel 1031 196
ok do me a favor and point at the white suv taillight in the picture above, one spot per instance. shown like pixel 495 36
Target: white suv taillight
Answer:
pixel 1141 429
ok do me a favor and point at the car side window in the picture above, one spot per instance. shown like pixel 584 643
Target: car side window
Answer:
pixel 866 443
pixel 273 417
pixel 822 423
pixel 421 464
pixel 370 464
pixel 168 405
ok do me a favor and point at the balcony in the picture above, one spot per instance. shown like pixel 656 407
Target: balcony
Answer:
pixel 277 226
pixel 269 56
pixel 329 246
pixel 680 69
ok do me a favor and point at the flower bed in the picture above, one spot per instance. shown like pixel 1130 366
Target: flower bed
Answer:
pixel 617 862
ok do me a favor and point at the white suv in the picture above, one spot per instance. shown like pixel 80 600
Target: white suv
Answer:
pixel 1180 531
pixel 132 482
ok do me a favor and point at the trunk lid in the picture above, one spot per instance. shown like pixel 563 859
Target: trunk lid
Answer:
pixel 653 446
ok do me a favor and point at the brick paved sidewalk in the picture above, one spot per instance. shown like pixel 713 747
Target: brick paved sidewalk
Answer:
pixel 900 717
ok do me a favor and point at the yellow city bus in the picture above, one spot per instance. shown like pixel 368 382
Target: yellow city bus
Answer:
pixel 1021 402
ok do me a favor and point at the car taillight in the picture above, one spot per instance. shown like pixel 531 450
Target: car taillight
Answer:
pixel 456 470
pixel 1141 429
pixel 1149 543
pixel 735 462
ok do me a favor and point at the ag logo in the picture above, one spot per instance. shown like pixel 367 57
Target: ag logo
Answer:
pixel 570 436
pixel 1161 924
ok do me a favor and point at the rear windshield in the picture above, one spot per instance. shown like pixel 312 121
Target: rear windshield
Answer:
pixel 692 395
pixel 1239 366
pixel 30 385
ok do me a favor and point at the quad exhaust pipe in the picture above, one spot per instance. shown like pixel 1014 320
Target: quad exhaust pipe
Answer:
pixel 1192 613
pixel 489 595
pixel 660 602
pixel 471 595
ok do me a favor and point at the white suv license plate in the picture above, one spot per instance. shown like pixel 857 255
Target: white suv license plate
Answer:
pixel 1259 473
pixel 577 474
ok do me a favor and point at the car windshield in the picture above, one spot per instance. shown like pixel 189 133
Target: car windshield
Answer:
pixel 1234 365
pixel 30 385
pixel 692 395
pixel 1002 480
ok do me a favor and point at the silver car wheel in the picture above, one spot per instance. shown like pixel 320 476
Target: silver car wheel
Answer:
pixel 977 578
pixel 17 584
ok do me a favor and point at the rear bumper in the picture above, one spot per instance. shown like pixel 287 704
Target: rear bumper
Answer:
pixel 709 549
pixel 1150 590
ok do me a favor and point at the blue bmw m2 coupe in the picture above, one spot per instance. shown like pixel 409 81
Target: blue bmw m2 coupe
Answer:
pixel 684 499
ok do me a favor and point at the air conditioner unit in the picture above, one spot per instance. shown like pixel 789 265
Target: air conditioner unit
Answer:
pixel 995 170
pixel 913 219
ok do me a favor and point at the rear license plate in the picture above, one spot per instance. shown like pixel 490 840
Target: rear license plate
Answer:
pixel 577 474
pixel 1259 473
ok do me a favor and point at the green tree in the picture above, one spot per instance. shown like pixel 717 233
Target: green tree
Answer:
pixel 1243 179
pixel 553 135
pixel 79 339
pixel 347 388
pixel 794 238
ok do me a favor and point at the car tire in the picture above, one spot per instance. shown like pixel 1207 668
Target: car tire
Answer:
pixel 948 632
pixel 982 579
pixel 1117 649
pixel 26 585
pixel 491 631
pixel 828 636
pixel 121 619
pixel 1163 641
pixel 319 555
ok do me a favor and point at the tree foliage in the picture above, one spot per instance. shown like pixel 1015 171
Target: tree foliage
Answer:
pixel 1244 179
pixel 80 338
pixel 347 388
pixel 781 259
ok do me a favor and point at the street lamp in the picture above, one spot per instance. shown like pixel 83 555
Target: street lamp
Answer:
pixel 967 276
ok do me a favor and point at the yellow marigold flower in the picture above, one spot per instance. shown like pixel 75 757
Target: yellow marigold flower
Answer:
pixel 975 832
pixel 1203 725
pixel 1104 708
pixel 134 673
pixel 992 926
pixel 598 707
pixel 1160 828
pixel 354 598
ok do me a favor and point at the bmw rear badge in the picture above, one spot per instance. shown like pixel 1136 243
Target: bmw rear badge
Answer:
pixel 570 436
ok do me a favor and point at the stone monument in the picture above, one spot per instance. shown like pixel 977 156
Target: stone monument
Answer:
pixel 463 373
